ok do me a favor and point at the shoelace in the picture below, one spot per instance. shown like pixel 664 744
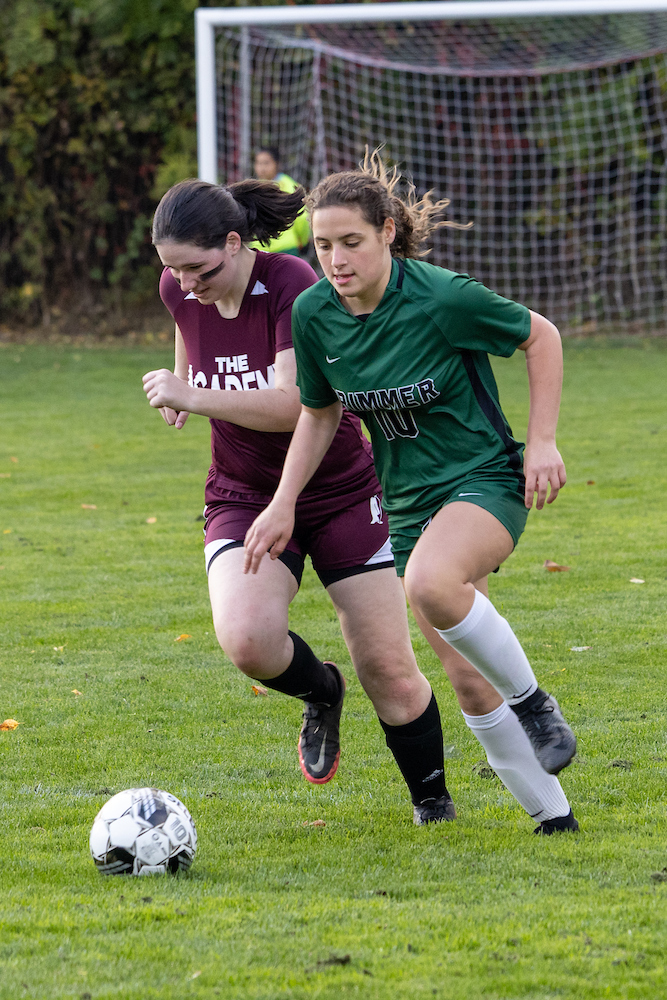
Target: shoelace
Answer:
pixel 531 724
pixel 313 713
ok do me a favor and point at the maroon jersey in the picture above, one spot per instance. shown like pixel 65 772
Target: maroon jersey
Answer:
pixel 238 355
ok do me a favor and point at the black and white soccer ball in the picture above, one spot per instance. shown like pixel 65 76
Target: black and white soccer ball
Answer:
pixel 143 831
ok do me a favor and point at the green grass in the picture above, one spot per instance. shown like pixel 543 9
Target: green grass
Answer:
pixel 367 905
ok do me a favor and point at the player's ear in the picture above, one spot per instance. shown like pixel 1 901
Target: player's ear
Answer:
pixel 233 243
pixel 389 231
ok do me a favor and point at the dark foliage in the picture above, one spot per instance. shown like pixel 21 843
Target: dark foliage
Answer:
pixel 97 119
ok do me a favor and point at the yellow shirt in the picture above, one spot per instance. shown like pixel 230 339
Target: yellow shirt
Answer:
pixel 298 234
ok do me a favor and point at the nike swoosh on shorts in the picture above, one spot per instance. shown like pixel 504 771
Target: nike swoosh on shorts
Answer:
pixel 331 360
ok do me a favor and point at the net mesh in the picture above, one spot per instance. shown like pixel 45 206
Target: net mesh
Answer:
pixel 549 134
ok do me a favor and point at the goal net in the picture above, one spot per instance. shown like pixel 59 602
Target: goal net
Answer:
pixel 548 133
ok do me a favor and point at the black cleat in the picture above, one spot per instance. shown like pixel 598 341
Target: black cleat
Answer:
pixel 560 824
pixel 553 741
pixel 434 811
pixel 319 739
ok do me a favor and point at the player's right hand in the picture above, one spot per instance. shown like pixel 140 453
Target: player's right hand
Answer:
pixel 270 532
pixel 172 417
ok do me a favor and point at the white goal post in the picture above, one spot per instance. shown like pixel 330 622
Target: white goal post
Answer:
pixel 545 122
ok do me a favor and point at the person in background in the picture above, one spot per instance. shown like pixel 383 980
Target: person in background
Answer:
pixel 295 239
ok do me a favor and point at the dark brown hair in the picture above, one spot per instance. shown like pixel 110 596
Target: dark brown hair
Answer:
pixel 204 214
pixel 372 189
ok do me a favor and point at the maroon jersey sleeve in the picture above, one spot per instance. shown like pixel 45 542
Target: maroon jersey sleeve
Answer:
pixel 170 291
pixel 291 276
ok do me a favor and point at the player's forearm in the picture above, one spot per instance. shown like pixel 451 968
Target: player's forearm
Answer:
pixel 259 409
pixel 310 442
pixel 180 357
pixel 544 361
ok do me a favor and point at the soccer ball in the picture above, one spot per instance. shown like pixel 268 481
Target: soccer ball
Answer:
pixel 143 831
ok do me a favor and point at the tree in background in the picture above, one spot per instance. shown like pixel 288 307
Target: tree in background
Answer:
pixel 97 120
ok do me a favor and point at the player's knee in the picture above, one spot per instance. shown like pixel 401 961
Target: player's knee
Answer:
pixel 394 683
pixel 249 653
pixel 433 596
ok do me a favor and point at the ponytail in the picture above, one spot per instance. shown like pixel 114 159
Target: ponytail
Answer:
pixel 372 189
pixel 204 214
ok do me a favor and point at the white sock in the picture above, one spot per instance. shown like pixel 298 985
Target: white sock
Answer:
pixel 511 755
pixel 486 640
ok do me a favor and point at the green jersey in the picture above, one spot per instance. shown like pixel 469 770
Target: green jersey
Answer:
pixel 417 371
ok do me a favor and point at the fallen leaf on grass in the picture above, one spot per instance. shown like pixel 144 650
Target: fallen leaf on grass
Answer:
pixel 553 567
pixel 256 689
pixel 58 649
pixel 635 579
pixel 74 691
pixel 336 960
pixel 579 649
pixel 9 724
pixel 590 482
pixel 7 531
pixel 13 459
pixel 315 822
pixel 89 506
pixel 180 638
pixel 195 974
pixel 5 475
pixel 151 520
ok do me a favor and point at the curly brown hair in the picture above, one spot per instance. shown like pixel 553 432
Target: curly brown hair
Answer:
pixel 372 188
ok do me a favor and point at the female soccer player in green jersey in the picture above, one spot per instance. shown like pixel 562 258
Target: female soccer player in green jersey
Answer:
pixel 405 344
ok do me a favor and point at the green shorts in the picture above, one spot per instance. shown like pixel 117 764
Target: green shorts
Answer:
pixel 503 497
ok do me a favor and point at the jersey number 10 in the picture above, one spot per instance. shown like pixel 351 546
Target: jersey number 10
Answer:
pixel 396 423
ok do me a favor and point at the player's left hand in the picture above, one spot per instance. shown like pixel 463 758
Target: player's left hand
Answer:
pixel 269 532
pixel 543 468
pixel 164 389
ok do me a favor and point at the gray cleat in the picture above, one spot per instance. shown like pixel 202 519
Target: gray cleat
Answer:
pixel 553 741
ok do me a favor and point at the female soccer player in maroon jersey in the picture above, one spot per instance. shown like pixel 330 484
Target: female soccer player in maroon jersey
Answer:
pixel 234 363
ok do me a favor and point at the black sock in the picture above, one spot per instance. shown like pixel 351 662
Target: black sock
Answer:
pixel 306 677
pixel 417 748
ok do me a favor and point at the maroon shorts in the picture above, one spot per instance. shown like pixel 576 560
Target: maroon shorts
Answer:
pixel 342 543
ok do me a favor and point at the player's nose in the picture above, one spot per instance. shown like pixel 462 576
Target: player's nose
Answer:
pixel 187 280
pixel 338 256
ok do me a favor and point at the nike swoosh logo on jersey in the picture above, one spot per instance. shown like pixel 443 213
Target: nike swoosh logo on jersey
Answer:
pixel 331 360
pixel 320 760
pixel 471 494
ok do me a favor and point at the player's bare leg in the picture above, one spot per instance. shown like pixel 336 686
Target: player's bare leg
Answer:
pixel 250 614
pixel 373 617
pixel 508 749
pixel 464 543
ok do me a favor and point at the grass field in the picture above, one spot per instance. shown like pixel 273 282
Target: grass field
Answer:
pixel 368 905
